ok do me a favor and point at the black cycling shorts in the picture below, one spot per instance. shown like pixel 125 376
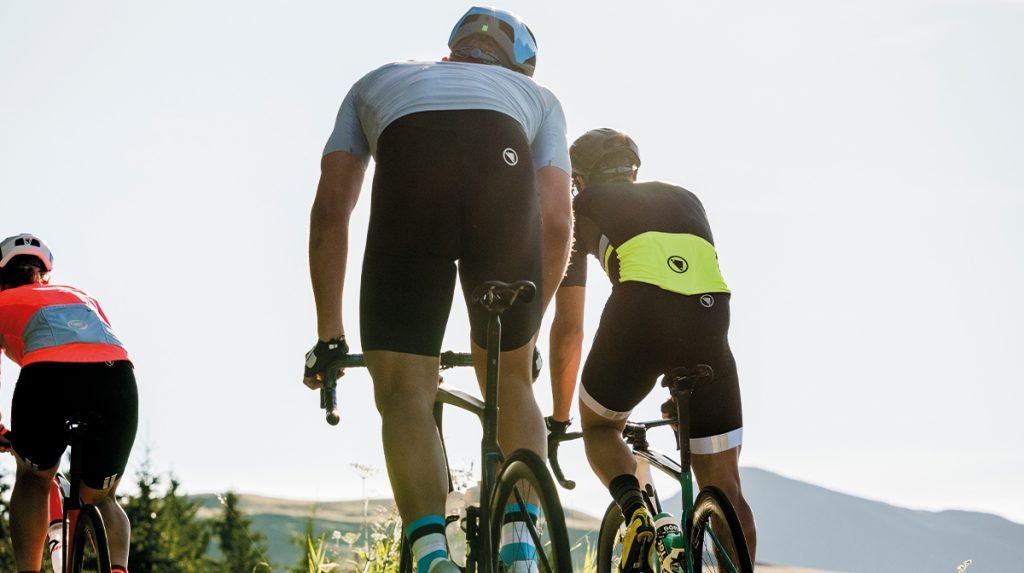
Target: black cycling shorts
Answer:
pixel 103 394
pixel 450 188
pixel 646 331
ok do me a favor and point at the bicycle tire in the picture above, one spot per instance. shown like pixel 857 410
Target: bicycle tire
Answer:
pixel 716 533
pixel 405 559
pixel 89 550
pixel 524 476
pixel 609 540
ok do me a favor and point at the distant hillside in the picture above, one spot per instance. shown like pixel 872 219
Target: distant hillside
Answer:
pixel 283 521
pixel 805 527
pixel 800 524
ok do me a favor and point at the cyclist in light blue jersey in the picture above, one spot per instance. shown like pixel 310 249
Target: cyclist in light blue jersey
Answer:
pixel 472 173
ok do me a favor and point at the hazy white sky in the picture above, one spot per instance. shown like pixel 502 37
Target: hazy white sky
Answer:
pixel 860 162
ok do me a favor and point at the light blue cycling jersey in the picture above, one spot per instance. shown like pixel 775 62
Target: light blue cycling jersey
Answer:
pixel 399 89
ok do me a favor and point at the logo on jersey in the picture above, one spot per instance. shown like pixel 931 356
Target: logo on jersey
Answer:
pixel 510 156
pixel 678 264
pixel 707 300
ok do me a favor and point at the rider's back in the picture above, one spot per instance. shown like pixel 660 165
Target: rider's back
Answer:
pixel 55 323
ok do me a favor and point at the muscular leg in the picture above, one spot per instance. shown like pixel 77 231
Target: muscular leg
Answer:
pixel 521 423
pixel 607 451
pixel 722 470
pixel 115 521
pixel 30 514
pixel 405 386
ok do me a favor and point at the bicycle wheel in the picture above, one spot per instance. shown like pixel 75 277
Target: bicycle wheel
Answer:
pixel 405 560
pixel 89 551
pixel 609 540
pixel 716 535
pixel 527 517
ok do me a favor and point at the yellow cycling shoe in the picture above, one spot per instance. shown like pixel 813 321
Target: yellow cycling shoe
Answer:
pixel 637 543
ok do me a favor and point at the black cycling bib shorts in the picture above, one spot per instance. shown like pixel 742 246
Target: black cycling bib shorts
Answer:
pixel 454 193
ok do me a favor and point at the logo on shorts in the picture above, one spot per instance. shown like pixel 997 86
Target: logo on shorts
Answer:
pixel 78 324
pixel 707 300
pixel 678 264
pixel 510 156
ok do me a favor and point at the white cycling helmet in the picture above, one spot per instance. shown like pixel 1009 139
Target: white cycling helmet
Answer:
pixel 25 244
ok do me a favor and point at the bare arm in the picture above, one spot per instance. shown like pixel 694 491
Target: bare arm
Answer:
pixel 556 215
pixel 566 348
pixel 341 177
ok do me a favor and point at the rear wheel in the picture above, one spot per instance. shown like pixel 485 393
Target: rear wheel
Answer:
pixel 405 560
pixel 609 540
pixel 716 536
pixel 527 520
pixel 89 551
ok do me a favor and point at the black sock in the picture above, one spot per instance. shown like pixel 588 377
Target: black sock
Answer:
pixel 625 489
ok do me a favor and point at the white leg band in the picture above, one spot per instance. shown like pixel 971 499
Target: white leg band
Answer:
pixel 600 410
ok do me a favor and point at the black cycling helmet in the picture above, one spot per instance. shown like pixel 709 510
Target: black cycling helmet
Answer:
pixel 604 148
pixel 517 48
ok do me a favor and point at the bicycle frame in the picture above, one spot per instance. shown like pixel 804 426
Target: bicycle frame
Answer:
pixel 490 453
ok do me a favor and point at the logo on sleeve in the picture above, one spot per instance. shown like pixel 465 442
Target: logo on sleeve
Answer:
pixel 510 156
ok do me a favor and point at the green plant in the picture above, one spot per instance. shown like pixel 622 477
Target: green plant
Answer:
pixel 382 552
pixel 589 557
pixel 317 560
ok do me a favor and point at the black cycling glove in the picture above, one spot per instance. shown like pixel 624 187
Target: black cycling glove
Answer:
pixel 325 353
pixel 556 428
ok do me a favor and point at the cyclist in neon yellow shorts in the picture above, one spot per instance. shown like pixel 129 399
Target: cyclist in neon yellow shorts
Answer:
pixel 471 182
pixel 669 307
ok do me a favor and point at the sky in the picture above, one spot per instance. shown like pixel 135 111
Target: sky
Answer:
pixel 860 163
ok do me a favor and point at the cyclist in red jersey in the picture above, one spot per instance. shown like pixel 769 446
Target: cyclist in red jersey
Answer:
pixel 72 365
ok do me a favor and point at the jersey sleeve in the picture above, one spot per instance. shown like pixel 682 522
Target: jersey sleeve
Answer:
pixel 348 132
pixel 550 147
pixel 576 272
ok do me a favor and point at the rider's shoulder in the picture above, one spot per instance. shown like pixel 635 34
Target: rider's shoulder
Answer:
pixel 41 293
pixel 657 186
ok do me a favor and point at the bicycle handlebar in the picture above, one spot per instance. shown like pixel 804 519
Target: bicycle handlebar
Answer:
pixel 329 391
pixel 553 441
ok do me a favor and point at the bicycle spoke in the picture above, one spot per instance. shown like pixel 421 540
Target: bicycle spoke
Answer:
pixel 718 541
pixel 528 526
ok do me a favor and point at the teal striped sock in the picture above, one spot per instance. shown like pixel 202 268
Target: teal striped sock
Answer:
pixel 426 535
pixel 518 552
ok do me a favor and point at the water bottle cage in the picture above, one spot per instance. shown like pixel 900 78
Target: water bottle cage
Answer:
pixel 472 519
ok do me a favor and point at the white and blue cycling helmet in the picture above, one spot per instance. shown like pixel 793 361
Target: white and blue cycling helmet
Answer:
pixel 515 41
